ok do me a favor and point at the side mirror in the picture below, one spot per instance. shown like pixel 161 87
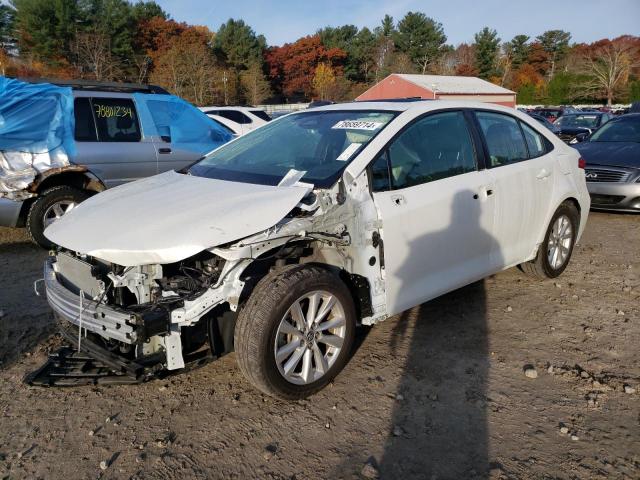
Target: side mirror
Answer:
pixel 581 137
pixel 165 133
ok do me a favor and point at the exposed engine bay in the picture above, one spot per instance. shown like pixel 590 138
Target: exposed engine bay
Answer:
pixel 160 315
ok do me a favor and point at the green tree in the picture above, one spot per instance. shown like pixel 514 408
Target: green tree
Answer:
pixel 421 38
pixel 518 48
pixel 486 46
pixel 7 21
pixel 147 10
pixel 556 44
pixel 388 26
pixel 634 91
pixel 237 44
pixel 45 28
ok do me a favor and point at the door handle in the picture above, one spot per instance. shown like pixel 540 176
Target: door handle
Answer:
pixel 398 199
pixel 542 174
pixel 485 191
pixel 164 150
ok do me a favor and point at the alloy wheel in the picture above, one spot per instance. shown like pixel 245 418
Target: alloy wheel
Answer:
pixel 310 337
pixel 560 239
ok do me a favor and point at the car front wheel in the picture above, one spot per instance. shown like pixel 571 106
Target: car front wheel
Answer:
pixel 555 251
pixel 295 333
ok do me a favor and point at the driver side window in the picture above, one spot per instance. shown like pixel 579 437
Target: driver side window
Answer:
pixel 435 147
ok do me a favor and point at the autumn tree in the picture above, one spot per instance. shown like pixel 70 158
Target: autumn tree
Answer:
pixel 255 86
pixel 94 57
pixel 323 80
pixel 421 38
pixel 188 69
pixel 608 64
pixel 292 66
pixel 486 47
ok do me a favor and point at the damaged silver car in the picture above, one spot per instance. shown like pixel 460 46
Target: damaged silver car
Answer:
pixel 278 244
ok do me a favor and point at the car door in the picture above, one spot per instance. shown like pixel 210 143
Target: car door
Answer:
pixel 523 184
pixel 436 208
pixel 109 140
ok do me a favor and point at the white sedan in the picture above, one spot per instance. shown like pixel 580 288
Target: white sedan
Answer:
pixel 278 244
pixel 239 120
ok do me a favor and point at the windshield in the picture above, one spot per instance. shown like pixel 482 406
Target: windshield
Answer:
pixel 626 130
pixel 320 144
pixel 583 121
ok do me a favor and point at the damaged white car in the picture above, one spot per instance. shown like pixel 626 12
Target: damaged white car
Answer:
pixel 278 244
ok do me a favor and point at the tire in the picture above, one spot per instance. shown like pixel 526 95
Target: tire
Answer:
pixel 43 206
pixel 541 267
pixel 260 332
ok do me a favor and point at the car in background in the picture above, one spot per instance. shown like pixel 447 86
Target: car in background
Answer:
pixel 612 156
pixel 553 113
pixel 123 132
pixel 240 120
pixel 287 238
pixel 573 124
pixel 544 121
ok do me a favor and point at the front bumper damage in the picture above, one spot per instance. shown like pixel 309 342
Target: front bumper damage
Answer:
pixel 83 360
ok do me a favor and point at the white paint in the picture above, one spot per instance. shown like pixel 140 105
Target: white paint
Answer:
pixel 170 217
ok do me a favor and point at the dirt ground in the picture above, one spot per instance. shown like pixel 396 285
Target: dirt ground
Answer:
pixel 438 392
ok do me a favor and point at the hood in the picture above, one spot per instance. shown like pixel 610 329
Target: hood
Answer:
pixel 614 154
pixel 575 130
pixel 170 217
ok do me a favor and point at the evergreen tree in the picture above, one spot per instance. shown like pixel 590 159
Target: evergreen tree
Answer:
pixel 421 38
pixel 486 45
pixel 237 44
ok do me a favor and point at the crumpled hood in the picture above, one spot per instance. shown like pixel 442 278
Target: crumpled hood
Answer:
pixel 170 217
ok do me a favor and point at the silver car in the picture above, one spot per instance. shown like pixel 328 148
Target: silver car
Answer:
pixel 612 156
pixel 110 150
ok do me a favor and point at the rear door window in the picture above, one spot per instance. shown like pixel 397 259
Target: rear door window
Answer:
pixel 503 138
pixel 235 116
pixel 85 128
pixel 535 142
pixel 116 119
pixel 262 115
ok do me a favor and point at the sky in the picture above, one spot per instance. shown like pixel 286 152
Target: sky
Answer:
pixel 287 20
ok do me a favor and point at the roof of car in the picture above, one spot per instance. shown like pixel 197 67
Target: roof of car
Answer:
pixel 230 107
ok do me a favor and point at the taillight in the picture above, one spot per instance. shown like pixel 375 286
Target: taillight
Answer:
pixel 581 163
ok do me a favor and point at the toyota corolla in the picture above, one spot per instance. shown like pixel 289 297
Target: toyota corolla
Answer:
pixel 280 243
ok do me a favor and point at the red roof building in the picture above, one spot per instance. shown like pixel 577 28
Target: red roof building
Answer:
pixel 439 87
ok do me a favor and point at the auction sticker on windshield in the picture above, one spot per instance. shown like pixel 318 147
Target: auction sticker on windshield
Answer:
pixel 357 125
pixel 350 150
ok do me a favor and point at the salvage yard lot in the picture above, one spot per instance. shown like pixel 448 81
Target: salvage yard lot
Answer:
pixel 437 392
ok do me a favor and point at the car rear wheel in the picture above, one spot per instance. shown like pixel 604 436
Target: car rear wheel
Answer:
pixel 555 251
pixel 51 205
pixel 295 333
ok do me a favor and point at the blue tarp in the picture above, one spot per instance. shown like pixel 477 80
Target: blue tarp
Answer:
pixel 186 125
pixel 35 117
pixel 36 131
